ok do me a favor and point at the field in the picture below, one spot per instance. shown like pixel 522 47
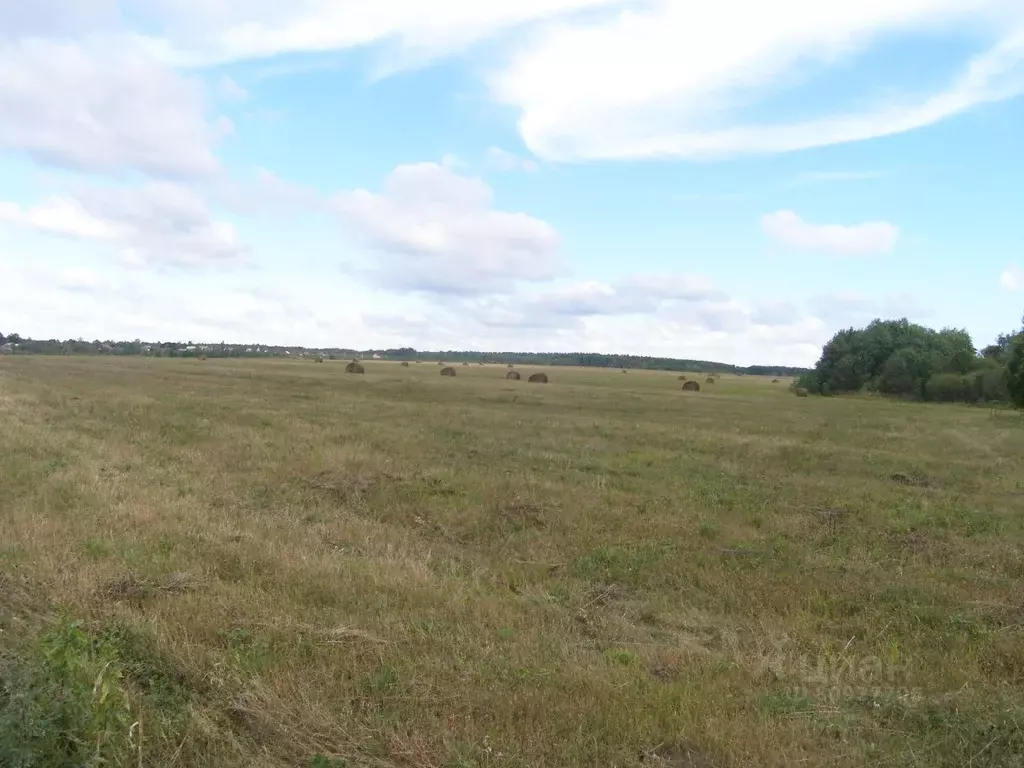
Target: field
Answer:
pixel 273 563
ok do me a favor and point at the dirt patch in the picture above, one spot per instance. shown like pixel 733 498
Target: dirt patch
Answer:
pixel 677 755
pixel 130 588
pixel 520 514
pixel 348 486
pixel 910 479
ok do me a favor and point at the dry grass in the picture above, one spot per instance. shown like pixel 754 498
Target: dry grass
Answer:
pixel 285 566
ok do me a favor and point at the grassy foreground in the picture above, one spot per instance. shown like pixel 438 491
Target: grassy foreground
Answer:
pixel 268 563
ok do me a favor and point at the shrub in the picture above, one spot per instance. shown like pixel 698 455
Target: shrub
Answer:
pixel 948 388
pixel 991 385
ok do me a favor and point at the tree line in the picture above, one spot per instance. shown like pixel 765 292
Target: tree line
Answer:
pixel 18 345
pixel 903 359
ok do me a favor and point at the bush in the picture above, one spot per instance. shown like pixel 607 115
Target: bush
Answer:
pixel 68 709
pixel 949 388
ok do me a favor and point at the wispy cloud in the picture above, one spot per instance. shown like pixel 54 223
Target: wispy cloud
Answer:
pixel 816 177
pixel 689 197
pixel 498 159
pixel 676 79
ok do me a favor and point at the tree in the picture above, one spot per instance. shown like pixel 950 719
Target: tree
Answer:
pixel 1015 371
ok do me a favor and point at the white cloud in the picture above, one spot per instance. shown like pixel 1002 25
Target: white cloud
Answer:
pixel 56 17
pixel 847 308
pixel 231 90
pixel 78 278
pixel 434 230
pixel 156 225
pixel 501 160
pixel 1012 278
pixel 102 105
pixel 264 192
pixel 858 240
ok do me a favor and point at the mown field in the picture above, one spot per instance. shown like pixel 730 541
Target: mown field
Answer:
pixel 273 563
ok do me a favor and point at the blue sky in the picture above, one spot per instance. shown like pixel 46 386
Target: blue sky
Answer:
pixel 734 182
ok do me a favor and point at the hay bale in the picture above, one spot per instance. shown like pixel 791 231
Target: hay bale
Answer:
pixel 682 378
pixel 775 381
pixel 539 378
pixel 509 365
pixel 405 363
pixel 710 380
pixel 801 392
pixel 447 371
pixel 440 362
pixel 514 375
pixel 319 359
pixel 465 363
pixel 691 386
pixel 354 367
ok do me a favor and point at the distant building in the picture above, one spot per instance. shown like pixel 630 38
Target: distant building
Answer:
pixel 376 355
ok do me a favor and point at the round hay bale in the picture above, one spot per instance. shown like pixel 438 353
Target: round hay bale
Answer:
pixel 538 378
pixel 801 392
pixel 465 363
pixel 775 381
pixel 509 365
pixel 354 367
pixel 710 380
pixel 447 371
pixel 514 375
pixel 691 386
pixel 405 363
pixel 682 378
pixel 440 362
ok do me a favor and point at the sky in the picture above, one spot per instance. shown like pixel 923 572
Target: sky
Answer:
pixel 730 181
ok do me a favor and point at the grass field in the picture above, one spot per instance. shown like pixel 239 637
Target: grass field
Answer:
pixel 273 563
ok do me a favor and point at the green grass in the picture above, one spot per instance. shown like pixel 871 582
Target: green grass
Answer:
pixel 273 563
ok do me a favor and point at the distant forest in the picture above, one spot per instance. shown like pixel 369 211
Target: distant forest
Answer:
pixel 15 344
